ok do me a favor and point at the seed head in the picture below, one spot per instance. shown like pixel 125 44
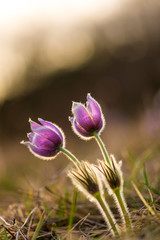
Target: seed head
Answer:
pixel 112 174
pixel 84 178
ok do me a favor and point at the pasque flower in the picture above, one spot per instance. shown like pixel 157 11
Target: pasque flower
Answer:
pixel 87 119
pixel 45 139
pixel 113 179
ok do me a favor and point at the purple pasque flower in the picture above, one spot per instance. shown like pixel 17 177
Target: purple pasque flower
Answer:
pixel 45 139
pixel 87 119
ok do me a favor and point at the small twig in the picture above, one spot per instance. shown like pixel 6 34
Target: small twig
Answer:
pixel 151 196
pixel 84 219
pixel 33 210
pixel 81 220
pixel 18 228
pixel 104 236
pixel 44 235
pixel 8 231
pixel 19 232
pixel 5 222
pixel 25 222
pixel 29 227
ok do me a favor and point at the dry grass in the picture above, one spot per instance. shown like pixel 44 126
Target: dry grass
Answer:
pixel 51 211
pixel 44 214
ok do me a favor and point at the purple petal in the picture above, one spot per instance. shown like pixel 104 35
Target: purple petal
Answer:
pixel 33 124
pixel 101 124
pixel 30 136
pixel 82 116
pixel 45 132
pixel 94 109
pixel 41 152
pixel 71 119
pixel 41 142
pixel 80 130
pixel 52 127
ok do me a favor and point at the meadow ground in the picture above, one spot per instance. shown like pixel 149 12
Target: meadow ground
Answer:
pixel 57 211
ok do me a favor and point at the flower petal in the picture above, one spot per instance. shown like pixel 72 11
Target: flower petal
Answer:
pixel 71 119
pixel 101 124
pixel 45 132
pixel 95 110
pixel 80 130
pixel 52 126
pixel 82 116
pixel 41 142
pixel 41 152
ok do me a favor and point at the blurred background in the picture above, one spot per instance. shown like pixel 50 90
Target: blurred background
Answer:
pixel 54 52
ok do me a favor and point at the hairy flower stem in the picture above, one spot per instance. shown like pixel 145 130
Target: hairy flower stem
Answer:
pixel 69 155
pixel 123 208
pixel 102 147
pixel 103 207
pixel 118 194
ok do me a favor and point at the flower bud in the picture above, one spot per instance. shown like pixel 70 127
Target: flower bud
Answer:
pixel 45 139
pixel 112 174
pixel 85 179
pixel 87 119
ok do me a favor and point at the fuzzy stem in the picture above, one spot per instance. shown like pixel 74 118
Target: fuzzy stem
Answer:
pixel 123 208
pixel 102 147
pixel 70 155
pixel 107 214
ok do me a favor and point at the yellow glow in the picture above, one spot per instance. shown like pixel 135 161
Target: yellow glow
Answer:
pixel 12 12
pixel 63 34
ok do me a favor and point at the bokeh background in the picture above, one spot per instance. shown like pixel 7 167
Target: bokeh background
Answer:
pixel 54 52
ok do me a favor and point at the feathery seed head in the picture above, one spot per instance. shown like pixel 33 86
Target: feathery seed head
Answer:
pixel 112 174
pixel 84 178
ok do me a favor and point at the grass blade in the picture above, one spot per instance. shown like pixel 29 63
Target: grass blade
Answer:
pixel 145 176
pixel 140 162
pixel 40 223
pixel 142 199
pixel 73 210
pixel 60 208
pixel 6 236
pixel 147 182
